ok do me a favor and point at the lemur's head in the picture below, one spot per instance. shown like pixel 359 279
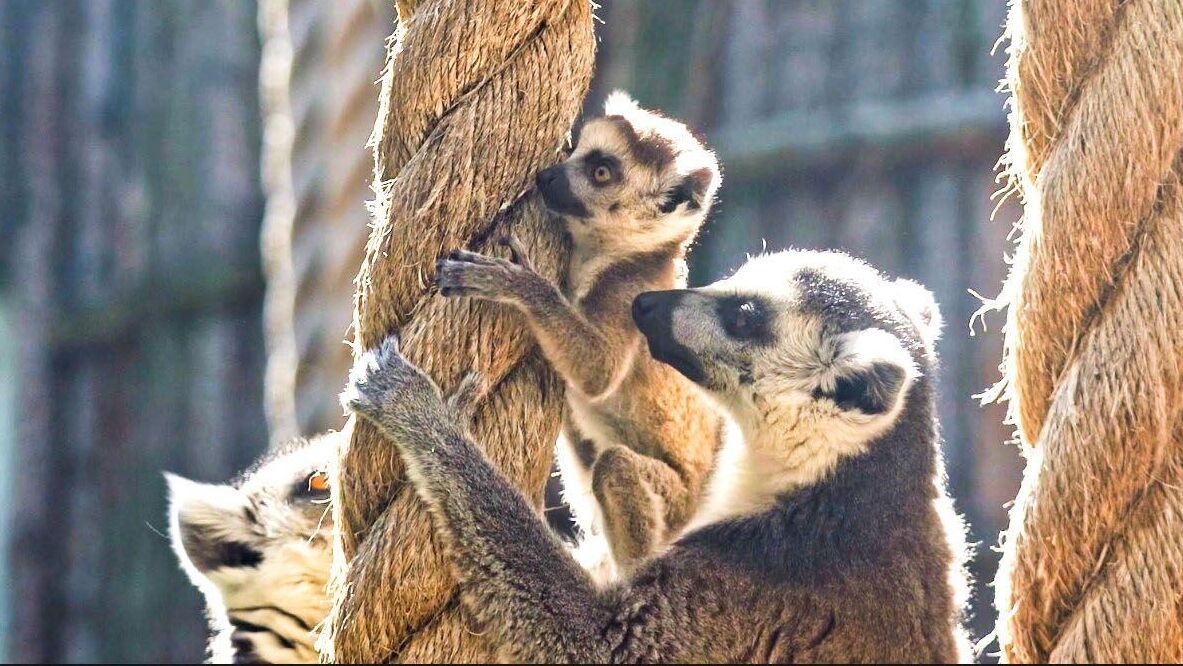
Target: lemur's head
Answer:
pixel 635 177
pixel 259 549
pixel 813 346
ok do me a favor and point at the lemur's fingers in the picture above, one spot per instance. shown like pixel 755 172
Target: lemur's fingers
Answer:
pixel 464 399
pixel 379 377
pixel 359 389
pixel 462 278
pixel 458 292
pixel 451 275
pixel 473 258
pixel 517 251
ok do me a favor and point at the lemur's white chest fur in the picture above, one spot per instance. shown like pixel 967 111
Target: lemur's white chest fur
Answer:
pixel 754 468
pixel 592 551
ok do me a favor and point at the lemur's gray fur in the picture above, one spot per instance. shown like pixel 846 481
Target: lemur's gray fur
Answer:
pixel 638 438
pixel 827 535
pixel 259 549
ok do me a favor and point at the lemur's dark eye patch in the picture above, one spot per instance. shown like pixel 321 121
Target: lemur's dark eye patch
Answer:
pixel 745 318
pixel 601 168
pixel 207 551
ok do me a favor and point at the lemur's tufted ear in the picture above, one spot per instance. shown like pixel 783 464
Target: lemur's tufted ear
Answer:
pixel 210 526
pixel 691 190
pixel 920 306
pixel 870 373
pixel 871 389
pixel 620 103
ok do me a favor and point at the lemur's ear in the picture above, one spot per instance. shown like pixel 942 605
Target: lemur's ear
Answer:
pixel 920 306
pixel 619 103
pixel 871 389
pixel 870 373
pixel 209 526
pixel 691 190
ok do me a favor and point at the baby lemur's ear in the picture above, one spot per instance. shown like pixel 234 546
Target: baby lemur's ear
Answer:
pixel 691 190
pixel 870 373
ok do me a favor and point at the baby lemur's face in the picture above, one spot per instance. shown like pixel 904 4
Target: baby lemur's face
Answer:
pixel 260 551
pixel 817 340
pixel 634 177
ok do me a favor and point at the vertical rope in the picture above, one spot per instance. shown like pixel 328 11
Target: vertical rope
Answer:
pixel 476 97
pixel 1092 568
pixel 321 63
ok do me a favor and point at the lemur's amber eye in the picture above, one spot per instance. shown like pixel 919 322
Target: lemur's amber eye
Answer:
pixel 602 174
pixel 318 482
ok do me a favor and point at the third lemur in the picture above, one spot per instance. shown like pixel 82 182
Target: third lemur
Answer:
pixel 826 536
pixel 259 549
pixel 637 436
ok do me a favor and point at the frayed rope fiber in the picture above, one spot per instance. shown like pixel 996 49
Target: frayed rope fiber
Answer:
pixel 1092 566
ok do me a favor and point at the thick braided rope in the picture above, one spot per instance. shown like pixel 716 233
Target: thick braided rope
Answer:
pixel 1093 560
pixel 477 96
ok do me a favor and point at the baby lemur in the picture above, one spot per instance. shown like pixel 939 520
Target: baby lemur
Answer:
pixel 825 535
pixel 259 549
pixel 637 435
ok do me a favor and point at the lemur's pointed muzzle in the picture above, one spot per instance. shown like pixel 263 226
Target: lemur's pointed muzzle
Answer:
pixel 555 187
pixel 653 312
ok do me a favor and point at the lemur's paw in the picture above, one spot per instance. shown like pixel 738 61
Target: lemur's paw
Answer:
pixel 463 273
pixel 383 383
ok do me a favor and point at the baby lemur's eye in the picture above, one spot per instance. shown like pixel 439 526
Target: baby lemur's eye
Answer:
pixel 601 168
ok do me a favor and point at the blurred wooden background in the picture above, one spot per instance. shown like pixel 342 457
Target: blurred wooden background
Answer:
pixel 132 271
pixel 131 209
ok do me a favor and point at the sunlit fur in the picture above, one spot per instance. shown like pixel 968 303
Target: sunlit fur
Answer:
pixel 267 611
pixel 785 437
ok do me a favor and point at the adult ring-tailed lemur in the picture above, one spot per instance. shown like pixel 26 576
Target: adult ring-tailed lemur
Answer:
pixel 826 534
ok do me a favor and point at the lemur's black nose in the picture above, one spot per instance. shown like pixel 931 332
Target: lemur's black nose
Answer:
pixel 653 305
pixel 653 313
pixel 547 175
pixel 644 304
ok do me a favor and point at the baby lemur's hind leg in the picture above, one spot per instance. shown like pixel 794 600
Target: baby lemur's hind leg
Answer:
pixel 639 498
